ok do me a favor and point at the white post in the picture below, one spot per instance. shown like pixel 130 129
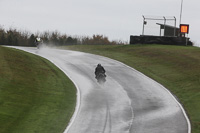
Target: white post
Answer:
pixel 174 26
pixel 181 11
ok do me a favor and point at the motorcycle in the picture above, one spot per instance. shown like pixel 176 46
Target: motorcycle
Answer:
pixel 38 44
pixel 101 78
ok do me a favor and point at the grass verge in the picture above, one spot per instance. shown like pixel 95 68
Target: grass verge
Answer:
pixel 35 96
pixel 175 67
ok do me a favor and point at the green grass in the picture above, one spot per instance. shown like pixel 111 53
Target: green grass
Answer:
pixel 175 67
pixel 35 96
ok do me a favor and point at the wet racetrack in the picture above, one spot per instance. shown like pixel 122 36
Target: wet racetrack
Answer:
pixel 128 102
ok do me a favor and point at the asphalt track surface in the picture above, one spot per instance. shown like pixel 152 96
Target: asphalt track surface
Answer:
pixel 128 102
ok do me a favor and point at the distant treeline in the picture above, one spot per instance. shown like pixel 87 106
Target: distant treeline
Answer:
pixel 23 38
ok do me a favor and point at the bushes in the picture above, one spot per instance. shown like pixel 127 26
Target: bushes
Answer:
pixel 19 38
pixel 14 37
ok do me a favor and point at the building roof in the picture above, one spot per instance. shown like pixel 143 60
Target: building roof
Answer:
pixel 169 26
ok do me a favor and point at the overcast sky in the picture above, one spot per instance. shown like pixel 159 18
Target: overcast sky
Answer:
pixel 116 19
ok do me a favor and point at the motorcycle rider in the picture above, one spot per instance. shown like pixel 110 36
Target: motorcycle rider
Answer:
pixel 99 69
pixel 38 41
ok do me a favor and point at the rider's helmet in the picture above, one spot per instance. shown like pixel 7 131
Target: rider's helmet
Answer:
pixel 38 39
pixel 99 65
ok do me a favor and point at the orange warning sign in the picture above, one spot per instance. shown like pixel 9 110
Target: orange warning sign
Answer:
pixel 184 28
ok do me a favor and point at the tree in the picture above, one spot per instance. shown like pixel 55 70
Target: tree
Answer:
pixel 71 40
pixel 10 39
pixel 2 39
pixel 32 40
pixel 54 37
